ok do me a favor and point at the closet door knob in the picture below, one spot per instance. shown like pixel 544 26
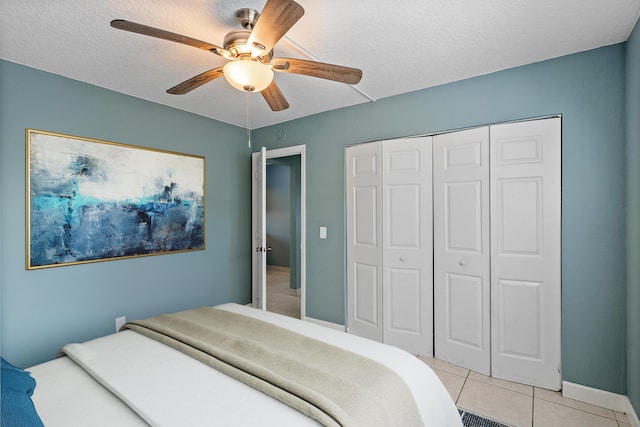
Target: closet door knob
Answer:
pixel 462 263
pixel 403 259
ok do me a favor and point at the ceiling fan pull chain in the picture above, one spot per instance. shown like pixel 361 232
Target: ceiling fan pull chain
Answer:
pixel 248 118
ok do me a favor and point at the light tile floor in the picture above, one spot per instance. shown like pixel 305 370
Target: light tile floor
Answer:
pixel 513 404
pixel 279 296
pixel 519 405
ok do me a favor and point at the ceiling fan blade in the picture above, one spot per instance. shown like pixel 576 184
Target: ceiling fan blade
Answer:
pixel 195 82
pixel 322 70
pixel 274 97
pixel 121 24
pixel 277 17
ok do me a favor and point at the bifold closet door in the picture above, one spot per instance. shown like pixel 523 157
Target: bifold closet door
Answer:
pixel 407 255
pixel 389 243
pixel 462 248
pixel 526 252
pixel 364 240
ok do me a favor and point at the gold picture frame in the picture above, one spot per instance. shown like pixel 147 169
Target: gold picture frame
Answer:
pixel 90 200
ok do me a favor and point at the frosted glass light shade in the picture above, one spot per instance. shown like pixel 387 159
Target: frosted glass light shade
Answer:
pixel 248 75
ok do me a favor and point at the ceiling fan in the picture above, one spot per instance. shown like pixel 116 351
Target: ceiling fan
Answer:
pixel 250 53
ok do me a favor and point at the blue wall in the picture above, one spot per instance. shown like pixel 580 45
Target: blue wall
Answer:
pixel 44 309
pixel 278 214
pixel 633 218
pixel 589 90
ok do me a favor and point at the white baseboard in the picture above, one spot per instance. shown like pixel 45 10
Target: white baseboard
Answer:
pixel 295 292
pixel 325 323
pixel 605 399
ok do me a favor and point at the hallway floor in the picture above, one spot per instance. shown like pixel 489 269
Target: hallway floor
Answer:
pixel 280 298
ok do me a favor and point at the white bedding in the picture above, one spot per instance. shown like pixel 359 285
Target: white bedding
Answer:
pixel 164 387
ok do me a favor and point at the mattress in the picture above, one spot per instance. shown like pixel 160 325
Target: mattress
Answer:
pixel 139 381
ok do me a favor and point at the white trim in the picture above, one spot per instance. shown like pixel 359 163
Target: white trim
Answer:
pixel 324 323
pixel 258 280
pixel 605 399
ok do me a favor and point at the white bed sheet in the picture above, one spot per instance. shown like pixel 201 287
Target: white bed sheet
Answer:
pixel 66 395
pixel 167 388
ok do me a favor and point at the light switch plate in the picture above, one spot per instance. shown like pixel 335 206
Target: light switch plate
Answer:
pixel 323 232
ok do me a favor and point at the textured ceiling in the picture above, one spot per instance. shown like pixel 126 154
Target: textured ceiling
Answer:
pixel 400 45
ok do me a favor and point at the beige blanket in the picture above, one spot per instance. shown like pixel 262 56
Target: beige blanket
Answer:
pixel 329 384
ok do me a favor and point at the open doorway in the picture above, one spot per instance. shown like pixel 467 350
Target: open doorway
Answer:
pixel 294 159
pixel 283 210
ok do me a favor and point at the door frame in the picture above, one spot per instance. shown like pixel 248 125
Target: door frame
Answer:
pixel 296 150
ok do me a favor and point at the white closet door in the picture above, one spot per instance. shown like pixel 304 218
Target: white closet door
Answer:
pixel 462 248
pixel 407 261
pixel 364 240
pixel 525 252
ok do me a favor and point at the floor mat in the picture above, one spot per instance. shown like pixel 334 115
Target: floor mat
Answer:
pixel 473 420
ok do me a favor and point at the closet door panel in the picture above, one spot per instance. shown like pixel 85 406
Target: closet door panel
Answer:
pixel 403 215
pixel 364 240
pixel 407 245
pixel 365 218
pixel 526 252
pixel 463 216
pixel 404 300
pixel 365 295
pixel 519 305
pixel 462 248
pixel 464 300
pixel 519 210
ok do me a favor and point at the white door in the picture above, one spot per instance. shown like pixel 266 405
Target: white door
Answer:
pixel 364 240
pixel 525 252
pixel 259 229
pixel 407 255
pixel 462 248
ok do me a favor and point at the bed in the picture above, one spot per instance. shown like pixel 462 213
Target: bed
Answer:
pixel 233 365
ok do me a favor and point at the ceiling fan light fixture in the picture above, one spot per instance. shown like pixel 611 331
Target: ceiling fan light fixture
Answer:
pixel 248 75
pixel 250 53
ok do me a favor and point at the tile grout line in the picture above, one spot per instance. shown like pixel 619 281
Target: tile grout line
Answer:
pixel 503 387
pixel 578 409
pixel 463 384
pixel 533 397
pixel 533 406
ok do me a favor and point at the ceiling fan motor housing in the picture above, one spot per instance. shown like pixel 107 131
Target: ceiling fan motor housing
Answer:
pixel 236 43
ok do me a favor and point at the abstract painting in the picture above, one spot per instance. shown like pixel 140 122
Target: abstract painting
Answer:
pixel 90 200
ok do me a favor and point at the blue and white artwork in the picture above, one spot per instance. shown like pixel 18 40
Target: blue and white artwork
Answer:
pixel 93 200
